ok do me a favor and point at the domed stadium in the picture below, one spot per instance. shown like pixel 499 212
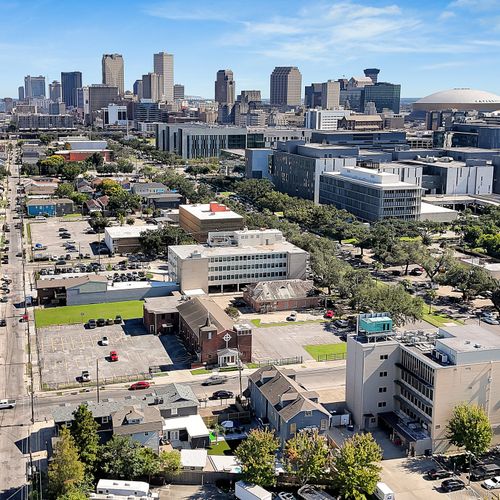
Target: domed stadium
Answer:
pixel 459 99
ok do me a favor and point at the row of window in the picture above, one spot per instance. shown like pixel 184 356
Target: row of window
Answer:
pixel 263 256
pixel 417 367
pixel 245 276
pixel 417 385
pixel 245 267
pixel 416 401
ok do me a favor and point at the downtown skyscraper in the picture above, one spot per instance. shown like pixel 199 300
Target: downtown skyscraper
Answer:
pixel 70 82
pixel 113 71
pixel 286 86
pixel 163 66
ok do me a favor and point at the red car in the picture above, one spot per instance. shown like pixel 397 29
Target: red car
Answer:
pixel 329 314
pixel 113 356
pixel 140 385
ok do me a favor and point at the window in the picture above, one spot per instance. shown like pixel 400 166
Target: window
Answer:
pixel 384 356
pixel 308 413
pixel 323 424
pixel 173 411
pixel 382 404
pixel 382 389
pixel 383 374
pixel 209 335
pixel 293 428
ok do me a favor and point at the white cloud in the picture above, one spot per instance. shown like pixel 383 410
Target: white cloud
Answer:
pixel 446 14
pixel 474 4
pixel 444 65
pixel 187 11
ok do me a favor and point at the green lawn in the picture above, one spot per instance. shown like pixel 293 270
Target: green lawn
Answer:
pixel 72 216
pixel 219 448
pixel 437 319
pixel 316 350
pixel 80 314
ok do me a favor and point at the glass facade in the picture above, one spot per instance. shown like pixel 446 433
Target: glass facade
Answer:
pixel 384 95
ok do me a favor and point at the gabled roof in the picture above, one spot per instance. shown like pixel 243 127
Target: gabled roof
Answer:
pixel 149 419
pixel 198 310
pixel 300 404
pixel 280 290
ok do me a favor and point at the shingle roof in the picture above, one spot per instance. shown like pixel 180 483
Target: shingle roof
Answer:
pixel 149 416
pixel 301 403
pixel 196 311
pixel 280 289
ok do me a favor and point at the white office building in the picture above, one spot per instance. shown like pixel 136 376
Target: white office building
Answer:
pixel 325 119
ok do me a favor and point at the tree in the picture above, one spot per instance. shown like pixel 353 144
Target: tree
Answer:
pixel 431 297
pixel 84 431
pixel 96 159
pixel 73 494
pixel 66 471
pixel 470 280
pixel 170 462
pixel 435 264
pixel 157 241
pixel 64 190
pixel 150 462
pixel 257 455
pixel 306 456
pixel 470 428
pixel 121 458
pixel 71 171
pixel 232 312
pixel 356 466
pixel 196 170
pixel 405 253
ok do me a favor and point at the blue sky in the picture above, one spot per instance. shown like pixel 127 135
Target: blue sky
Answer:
pixel 426 45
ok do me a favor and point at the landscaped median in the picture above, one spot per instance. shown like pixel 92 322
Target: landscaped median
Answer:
pixel 327 352
pixel 69 315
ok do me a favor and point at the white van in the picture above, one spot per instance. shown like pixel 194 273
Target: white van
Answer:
pixel 383 492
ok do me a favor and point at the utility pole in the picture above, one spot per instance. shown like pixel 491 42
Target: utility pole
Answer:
pixel 97 378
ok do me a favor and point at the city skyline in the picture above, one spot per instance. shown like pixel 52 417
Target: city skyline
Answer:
pixel 425 47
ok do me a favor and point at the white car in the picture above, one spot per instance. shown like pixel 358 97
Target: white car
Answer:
pixel 493 483
pixel 105 341
pixel 7 403
pixel 490 320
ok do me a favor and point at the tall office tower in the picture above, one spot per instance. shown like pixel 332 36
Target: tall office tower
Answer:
pixel 178 92
pixel 330 94
pixel 384 95
pixel 163 66
pixel 225 87
pixel 286 86
pixel 312 95
pixel 372 73
pixel 112 71
pixel 99 96
pixel 34 86
pixel 20 93
pixel 137 88
pixel 55 92
pixel 250 96
pixel 70 81
pixel 151 87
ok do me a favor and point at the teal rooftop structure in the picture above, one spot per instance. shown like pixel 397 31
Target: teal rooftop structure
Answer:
pixel 375 323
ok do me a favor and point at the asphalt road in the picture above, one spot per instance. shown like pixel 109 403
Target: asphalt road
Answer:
pixel 14 424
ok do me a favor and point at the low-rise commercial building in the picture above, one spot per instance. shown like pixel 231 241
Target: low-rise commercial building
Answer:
pixel 383 139
pixel 49 207
pixel 125 239
pixel 149 188
pixel 200 219
pixel 258 163
pixel 234 259
pixel 409 383
pixel 44 122
pixel 370 195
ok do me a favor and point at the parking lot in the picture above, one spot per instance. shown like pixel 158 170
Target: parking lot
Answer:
pixel 69 349
pixel 277 342
pixel 47 234
pixel 407 480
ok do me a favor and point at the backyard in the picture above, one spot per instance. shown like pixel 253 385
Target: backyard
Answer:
pixel 224 447
pixel 69 315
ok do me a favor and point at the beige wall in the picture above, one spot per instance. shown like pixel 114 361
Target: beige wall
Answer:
pixel 297 264
pixel 193 273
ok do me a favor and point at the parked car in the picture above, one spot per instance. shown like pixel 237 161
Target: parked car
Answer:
pixel 110 321
pixel 484 472
pixel 85 376
pixel 101 322
pixel 91 323
pixel 4 299
pixel 341 323
pixel 7 403
pixel 396 272
pixel 493 483
pixel 329 314
pixel 438 474
pixel 417 271
pixel 140 385
pixel 490 320
pixel 222 395
pixel 292 316
pixel 104 341
pixel 452 485
pixel 113 356
pixel 3 322
pixel 215 380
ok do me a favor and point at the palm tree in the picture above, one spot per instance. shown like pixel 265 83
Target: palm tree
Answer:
pixel 431 296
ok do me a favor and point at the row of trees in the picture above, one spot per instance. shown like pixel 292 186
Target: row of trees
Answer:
pixel 154 243
pixel 79 459
pixel 353 469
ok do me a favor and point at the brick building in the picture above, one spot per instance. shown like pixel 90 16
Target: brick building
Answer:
pixel 210 333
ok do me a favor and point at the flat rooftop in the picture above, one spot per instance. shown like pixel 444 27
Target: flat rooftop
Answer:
pixel 429 208
pixel 372 178
pixel 117 232
pixel 469 338
pixel 203 212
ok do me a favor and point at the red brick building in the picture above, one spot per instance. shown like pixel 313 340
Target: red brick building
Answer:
pixel 211 334
pixel 83 154
pixel 281 295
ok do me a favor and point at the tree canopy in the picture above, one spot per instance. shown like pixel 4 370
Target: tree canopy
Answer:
pixel 84 431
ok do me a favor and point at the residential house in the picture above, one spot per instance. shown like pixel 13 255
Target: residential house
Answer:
pixel 149 188
pixel 41 186
pixel 164 200
pixel 49 208
pixel 281 295
pixel 211 334
pixel 84 186
pixel 99 204
pixel 283 404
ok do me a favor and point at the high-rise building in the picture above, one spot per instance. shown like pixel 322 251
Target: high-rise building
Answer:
pixel 151 84
pixel 225 87
pixel 164 67
pixel 113 72
pixel 330 94
pixel 70 81
pixel 137 89
pixel 55 92
pixel 20 93
pixel 178 91
pixel 247 96
pixel 100 96
pixel 34 86
pixel 383 95
pixel 312 95
pixel 372 73
pixel 286 86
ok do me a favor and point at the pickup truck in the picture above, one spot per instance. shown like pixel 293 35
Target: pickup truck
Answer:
pixel 7 403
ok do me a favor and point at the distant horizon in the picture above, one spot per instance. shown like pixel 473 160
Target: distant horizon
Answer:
pixel 426 46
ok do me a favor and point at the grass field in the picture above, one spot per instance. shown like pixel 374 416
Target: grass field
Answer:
pixel 316 350
pixel 80 314
pixel 219 448
pixel 437 319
